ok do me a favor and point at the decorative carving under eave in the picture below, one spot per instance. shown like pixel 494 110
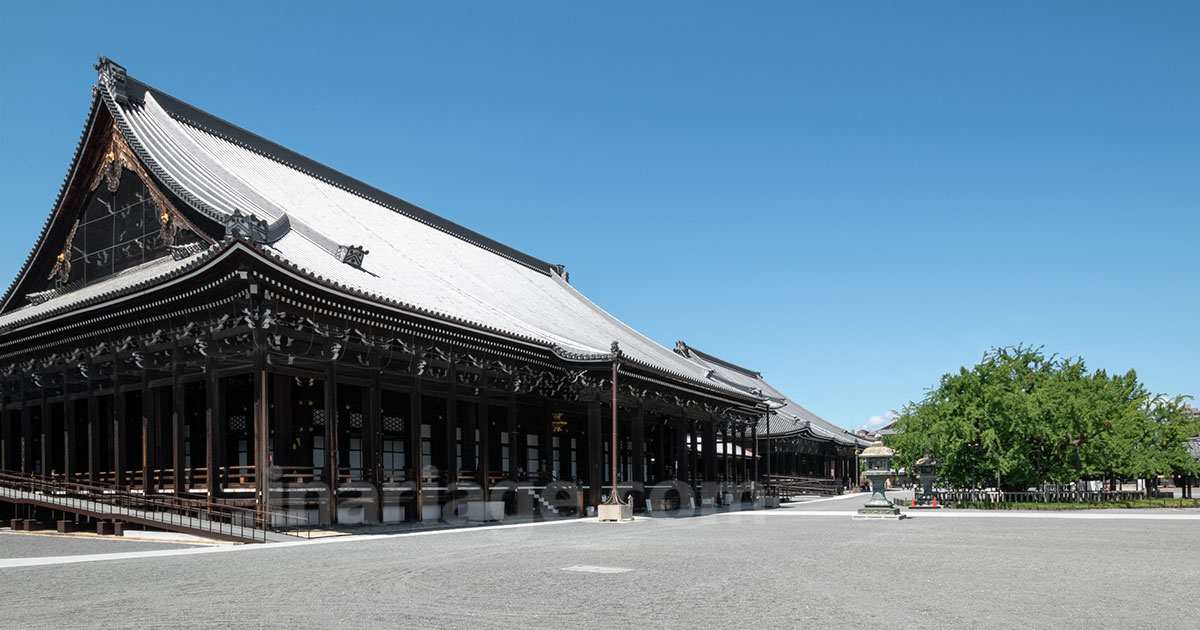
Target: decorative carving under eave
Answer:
pixel 61 273
pixel 110 172
pixel 119 157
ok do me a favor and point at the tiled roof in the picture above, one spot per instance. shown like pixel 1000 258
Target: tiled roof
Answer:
pixel 414 258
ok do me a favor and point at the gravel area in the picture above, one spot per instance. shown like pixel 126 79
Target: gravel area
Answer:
pixel 749 569
pixel 20 545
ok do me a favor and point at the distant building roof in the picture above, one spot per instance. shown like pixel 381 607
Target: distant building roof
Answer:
pixel 787 417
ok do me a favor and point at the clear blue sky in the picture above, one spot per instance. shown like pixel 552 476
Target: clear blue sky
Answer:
pixel 852 198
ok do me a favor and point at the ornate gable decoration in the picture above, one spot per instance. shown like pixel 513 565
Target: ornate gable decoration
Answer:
pixel 114 228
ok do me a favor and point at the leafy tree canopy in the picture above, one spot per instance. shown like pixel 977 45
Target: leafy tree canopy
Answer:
pixel 1020 418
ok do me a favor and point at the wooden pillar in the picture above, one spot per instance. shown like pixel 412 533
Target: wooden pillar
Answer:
pixel 214 428
pixel 546 445
pixel 660 449
pixel 26 432
pixel 373 425
pixel 485 431
pixel 724 454
pixel 514 438
pixel 754 445
pixel 638 431
pixel 331 442
pixel 119 426
pixel 451 472
pixel 47 429
pixel 94 430
pixel 148 455
pixel 262 428
pixel 283 406
pixel 693 477
pixel 710 449
pixel 595 453
pixel 742 468
pixel 681 470
pixel 178 409
pixel 469 415
pixel 5 424
pixel 415 456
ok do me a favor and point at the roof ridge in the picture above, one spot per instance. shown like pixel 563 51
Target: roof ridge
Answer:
pixel 192 115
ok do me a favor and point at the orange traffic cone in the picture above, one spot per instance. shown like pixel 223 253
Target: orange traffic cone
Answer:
pixel 914 502
pixel 935 501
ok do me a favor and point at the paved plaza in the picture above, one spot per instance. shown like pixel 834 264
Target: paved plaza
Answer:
pixel 804 566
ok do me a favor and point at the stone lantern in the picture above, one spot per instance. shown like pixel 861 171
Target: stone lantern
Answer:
pixel 877 460
pixel 926 474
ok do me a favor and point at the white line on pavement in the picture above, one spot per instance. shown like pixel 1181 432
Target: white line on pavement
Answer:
pixel 11 563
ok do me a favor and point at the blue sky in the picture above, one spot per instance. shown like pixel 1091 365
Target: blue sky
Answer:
pixel 850 198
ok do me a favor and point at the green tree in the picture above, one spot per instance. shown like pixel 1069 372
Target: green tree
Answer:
pixel 1020 418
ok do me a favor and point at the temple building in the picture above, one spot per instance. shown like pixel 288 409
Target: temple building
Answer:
pixel 210 316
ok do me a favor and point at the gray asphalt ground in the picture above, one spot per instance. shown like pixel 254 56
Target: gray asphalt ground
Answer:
pixel 798 567
pixel 20 545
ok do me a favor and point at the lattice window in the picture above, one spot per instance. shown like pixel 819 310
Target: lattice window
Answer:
pixel 318 417
pixel 392 424
pixel 117 231
pixel 237 423
pixel 356 420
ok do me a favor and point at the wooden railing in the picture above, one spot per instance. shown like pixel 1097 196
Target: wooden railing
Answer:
pixel 297 475
pixel 169 511
pixel 787 486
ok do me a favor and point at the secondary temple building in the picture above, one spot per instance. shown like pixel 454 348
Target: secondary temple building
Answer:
pixel 207 314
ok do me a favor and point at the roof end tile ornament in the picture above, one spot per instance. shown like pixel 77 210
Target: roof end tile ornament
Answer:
pixel 352 255
pixel 111 76
pixel 246 226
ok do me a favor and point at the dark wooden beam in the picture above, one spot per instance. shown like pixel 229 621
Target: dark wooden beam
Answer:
pixel 595 453
pixel 757 455
pixel 119 426
pixel 148 455
pixel 47 429
pixel 483 421
pixel 283 407
pixel 373 434
pixel 451 472
pixel 5 436
pixel 514 439
pixel 545 441
pixel 638 437
pixel 178 409
pixel 710 450
pixel 262 428
pixel 214 428
pixel 415 455
pixel 68 433
pixel 331 441
pixel 94 429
